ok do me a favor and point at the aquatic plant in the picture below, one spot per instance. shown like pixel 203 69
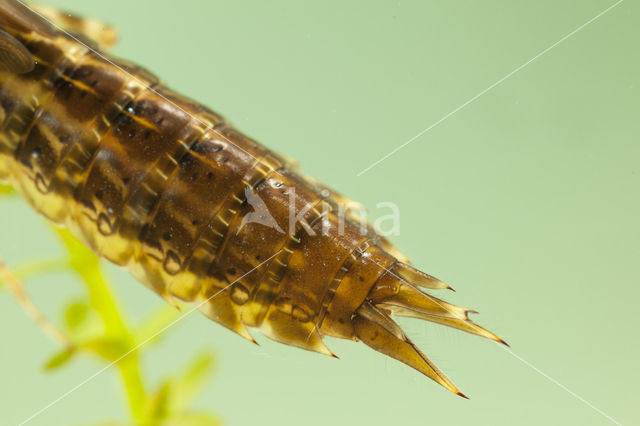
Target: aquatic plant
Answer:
pixel 97 326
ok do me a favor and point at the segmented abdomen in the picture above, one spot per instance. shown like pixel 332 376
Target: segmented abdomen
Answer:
pixel 151 180
pixel 198 211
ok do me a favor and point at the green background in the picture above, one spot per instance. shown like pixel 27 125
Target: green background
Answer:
pixel 526 201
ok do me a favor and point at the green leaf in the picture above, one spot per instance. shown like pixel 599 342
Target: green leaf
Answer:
pixel 82 322
pixel 158 405
pixel 109 348
pixel 191 380
pixel 59 359
pixel 172 398
pixel 76 315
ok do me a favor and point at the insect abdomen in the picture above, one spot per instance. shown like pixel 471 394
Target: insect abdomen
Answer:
pixel 139 174
pixel 152 181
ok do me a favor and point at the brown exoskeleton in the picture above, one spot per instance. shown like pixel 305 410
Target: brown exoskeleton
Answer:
pixel 162 185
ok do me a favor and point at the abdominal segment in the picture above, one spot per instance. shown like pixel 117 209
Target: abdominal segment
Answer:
pixel 198 211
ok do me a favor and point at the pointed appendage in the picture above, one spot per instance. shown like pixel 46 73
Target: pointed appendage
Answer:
pixel 418 278
pixel 377 330
pixel 395 293
pixel 304 335
pixel 219 308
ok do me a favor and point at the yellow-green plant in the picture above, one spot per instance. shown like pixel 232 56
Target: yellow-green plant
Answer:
pixel 97 326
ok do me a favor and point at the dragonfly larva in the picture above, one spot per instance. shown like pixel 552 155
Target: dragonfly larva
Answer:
pixel 196 210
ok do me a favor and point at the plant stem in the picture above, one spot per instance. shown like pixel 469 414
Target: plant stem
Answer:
pixel 87 265
pixel 15 286
pixel 129 370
